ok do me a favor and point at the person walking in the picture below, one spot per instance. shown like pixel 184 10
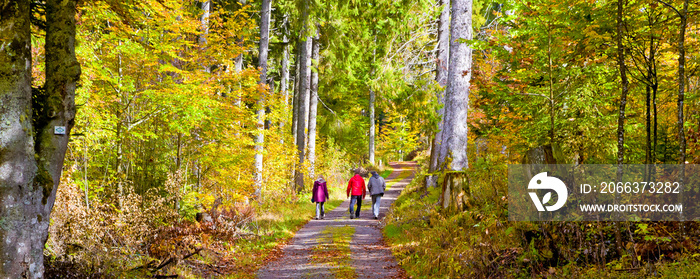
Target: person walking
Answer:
pixel 356 187
pixel 376 186
pixel 319 195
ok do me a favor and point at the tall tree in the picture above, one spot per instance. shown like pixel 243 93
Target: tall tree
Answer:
pixel 304 44
pixel 31 141
pixel 621 112
pixel 313 107
pixel 284 79
pixel 441 67
pixel 683 14
pixel 453 151
pixel 372 97
pixel 262 64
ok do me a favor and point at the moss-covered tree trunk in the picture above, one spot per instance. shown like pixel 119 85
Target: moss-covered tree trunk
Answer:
pixel 31 155
pixel 453 149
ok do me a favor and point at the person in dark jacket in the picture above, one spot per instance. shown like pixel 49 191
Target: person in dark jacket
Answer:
pixel 356 187
pixel 376 186
pixel 319 195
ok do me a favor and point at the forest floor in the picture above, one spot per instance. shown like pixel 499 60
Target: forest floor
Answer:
pixel 340 247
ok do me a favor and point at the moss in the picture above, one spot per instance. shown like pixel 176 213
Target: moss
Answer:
pixel 44 180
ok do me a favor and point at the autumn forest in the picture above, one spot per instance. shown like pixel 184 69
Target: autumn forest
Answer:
pixel 186 139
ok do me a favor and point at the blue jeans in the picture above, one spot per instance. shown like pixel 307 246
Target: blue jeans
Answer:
pixel 376 201
pixel 353 200
pixel 320 210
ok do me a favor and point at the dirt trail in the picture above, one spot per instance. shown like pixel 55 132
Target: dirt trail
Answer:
pixel 320 249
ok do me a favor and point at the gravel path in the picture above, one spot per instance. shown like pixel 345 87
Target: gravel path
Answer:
pixel 369 256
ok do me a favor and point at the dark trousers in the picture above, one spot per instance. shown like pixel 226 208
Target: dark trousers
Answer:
pixel 353 200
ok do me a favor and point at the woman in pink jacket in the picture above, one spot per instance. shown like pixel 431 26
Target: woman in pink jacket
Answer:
pixel 319 195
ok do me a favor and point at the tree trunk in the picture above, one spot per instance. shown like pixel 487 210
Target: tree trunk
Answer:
pixel 681 99
pixel 260 137
pixel 204 21
pixel 19 245
pixel 303 111
pixel 621 115
pixel 313 104
pixel 371 125
pixel 305 85
pixel 284 80
pixel 453 151
pixel 304 60
pixel 295 98
pixel 372 97
pixel 443 57
pixel 62 74
pixel 206 11
pixel 30 168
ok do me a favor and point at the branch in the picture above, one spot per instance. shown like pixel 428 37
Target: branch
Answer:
pixel 669 5
pixel 325 106
pixel 533 94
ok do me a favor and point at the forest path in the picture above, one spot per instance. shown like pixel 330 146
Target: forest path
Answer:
pixel 340 247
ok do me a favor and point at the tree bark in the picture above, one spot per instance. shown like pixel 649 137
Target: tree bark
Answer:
pixel 31 156
pixel 305 85
pixel 204 22
pixel 313 105
pixel 62 74
pixel 681 99
pixel 206 11
pixel 19 245
pixel 372 120
pixel 443 57
pixel 453 151
pixel 295 97
pixel 303 98
pixel 263 49
pixel 284 80
pixel 303 108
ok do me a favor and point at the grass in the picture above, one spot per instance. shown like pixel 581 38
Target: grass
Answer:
pixel 272 229
pixel 432 243
pixel 402 176
pixel 334 250
pixel 385 173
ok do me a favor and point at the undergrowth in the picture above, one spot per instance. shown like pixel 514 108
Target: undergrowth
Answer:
pixel 479 241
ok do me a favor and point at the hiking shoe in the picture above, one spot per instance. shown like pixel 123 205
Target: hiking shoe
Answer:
pixel 375 217
pixel 352 217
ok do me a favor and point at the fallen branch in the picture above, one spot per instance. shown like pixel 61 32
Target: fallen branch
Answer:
pixel 172 259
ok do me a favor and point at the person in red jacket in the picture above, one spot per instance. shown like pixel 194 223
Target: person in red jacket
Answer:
pixel 356 188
